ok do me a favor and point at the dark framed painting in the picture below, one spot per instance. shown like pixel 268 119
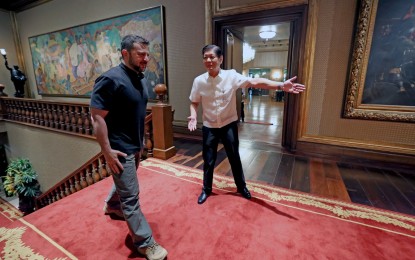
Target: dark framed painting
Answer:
pixel 381 83
pixel 67 62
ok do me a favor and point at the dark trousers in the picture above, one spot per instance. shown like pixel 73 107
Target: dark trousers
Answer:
pixel 228 135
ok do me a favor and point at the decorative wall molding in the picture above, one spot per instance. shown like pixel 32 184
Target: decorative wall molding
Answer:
pixel 220 10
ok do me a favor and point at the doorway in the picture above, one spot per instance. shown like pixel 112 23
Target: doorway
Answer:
pixel 264 55
pixel 243 26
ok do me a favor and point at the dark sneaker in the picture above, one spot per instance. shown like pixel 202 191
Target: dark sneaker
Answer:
pixel 153 252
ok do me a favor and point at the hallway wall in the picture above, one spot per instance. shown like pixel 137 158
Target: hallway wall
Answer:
pixel 334 38
pixel 53 155
pixel 329 50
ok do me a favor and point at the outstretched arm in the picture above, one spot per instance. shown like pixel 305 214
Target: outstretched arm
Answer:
pixel 7 65
pixel 286 86
pixel 193 116
pixel 101 133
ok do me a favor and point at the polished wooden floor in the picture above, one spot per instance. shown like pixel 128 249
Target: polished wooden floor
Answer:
pixel 265 161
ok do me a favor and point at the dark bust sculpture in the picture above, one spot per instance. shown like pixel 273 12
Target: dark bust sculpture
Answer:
pixel 18 79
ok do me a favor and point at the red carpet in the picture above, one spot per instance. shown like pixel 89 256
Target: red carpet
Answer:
pixel 275 224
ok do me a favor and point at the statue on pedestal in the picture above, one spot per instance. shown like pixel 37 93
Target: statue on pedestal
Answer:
pixel 18 79
pixel 17 76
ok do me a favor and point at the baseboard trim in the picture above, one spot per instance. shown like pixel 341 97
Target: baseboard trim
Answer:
pixel 356 155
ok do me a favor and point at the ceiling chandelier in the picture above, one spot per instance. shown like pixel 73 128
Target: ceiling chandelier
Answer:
pixel 267 34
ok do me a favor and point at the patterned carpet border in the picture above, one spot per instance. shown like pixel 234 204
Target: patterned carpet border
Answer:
pixel 343 210
pixel 12 233
pixel 9 211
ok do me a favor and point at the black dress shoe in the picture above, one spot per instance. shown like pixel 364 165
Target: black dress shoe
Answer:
pixel 245 193
pixel 203 197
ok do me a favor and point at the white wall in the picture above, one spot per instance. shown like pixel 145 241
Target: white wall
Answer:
pixel 53 155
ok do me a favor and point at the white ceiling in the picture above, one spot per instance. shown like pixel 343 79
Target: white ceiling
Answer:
pixel 250 35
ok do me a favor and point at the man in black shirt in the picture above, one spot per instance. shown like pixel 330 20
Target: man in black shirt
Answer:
pixel 118 110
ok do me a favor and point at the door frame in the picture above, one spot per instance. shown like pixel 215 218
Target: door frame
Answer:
pixel 297 16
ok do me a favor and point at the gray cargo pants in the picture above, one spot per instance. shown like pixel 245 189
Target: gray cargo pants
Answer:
pixel 125 191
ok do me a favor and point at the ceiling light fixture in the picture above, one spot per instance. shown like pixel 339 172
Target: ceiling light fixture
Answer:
pixel 267 34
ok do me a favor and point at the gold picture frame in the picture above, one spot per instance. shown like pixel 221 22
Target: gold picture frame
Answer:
pixel 381 84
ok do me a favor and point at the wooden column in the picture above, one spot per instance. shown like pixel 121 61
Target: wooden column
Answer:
pixel 162 126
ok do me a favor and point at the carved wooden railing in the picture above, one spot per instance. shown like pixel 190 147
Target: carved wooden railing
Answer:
pixel 70 118
pixel 74 118
pixel 91 172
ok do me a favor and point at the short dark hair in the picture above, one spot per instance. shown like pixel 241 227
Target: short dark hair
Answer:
pixel 216 49
pixel 128 41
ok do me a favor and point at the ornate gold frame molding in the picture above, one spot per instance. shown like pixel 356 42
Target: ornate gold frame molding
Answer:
pixel 358 67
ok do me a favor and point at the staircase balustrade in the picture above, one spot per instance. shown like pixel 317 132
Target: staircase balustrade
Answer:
pixel 68 118
pixel 91 172
pixel 75 119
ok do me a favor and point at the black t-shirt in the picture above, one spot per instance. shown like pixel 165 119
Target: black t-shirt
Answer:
pixel 123 93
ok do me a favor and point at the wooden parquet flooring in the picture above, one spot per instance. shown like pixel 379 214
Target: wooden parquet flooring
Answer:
pixel 264 161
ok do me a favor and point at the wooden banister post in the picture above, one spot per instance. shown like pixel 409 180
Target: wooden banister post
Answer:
pixel 162 126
